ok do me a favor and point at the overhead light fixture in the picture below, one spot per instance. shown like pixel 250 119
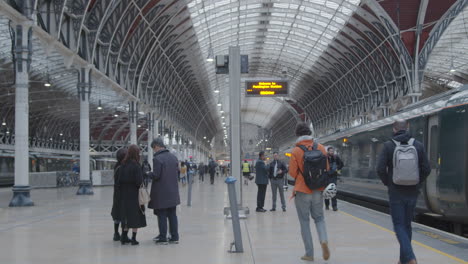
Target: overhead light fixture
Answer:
pixel 51 139
pixel 3 123
pixel 221 111
pixel 7 132
pixel 47 84
pixel 204 137
pixel 61 134
pixel 139 126
pixel 63 141
pixel 99 106
pixel 219 104
pixel 216 90
pixel 116 115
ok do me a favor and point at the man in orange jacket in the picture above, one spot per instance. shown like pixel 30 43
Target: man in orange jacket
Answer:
pixel 308 202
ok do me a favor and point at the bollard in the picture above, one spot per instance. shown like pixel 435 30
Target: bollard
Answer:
pixel 231 181
pixel 189 195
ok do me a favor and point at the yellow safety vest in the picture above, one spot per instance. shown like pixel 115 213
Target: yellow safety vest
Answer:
pixel 246 167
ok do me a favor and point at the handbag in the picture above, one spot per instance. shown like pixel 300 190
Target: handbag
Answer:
pixel 143 195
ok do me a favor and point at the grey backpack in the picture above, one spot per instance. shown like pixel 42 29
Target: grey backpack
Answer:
pixel 405 164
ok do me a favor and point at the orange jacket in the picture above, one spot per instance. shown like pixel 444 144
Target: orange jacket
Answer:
pixel 296 163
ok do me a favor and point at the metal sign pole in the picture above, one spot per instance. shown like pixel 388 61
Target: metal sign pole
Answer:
pixel 235 101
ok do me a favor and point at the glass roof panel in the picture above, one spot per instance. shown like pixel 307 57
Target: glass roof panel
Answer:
pixel 276 35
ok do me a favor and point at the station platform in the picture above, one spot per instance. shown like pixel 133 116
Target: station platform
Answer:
pixel 65 228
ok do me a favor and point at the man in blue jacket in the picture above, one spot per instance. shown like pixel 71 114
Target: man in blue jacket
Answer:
pixel 402 198
pixel 262 181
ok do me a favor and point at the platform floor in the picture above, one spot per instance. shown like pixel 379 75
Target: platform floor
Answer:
pixel 65 228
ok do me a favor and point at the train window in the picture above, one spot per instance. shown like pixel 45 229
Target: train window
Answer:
pixel 434 146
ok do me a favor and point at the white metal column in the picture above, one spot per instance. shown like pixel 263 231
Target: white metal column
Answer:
pixel 235 126
pixel 21 189
pixel 84 92
pixel 133 120
pixel 150 138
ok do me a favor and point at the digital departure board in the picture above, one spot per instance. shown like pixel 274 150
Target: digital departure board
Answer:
pixel 266 88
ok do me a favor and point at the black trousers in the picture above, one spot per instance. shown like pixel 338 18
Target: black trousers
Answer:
pixel 202 177
pixel 163 216
pixel 333 202
pixel 261 195
pixel 212 177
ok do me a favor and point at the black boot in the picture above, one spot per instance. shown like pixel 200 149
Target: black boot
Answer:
pixel 134 242
pixel 124 238
pixel 116 232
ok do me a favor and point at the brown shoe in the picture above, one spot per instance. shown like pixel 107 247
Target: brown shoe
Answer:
pixel 307 258
pixel 413 261
pixel 325 251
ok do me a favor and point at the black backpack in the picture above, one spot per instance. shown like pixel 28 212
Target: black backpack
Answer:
pixel 315 165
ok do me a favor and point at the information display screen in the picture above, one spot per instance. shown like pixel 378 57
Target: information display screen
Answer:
pixel 266 88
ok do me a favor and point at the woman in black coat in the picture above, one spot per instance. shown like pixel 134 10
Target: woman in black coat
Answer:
pixel 121 153
pixel 130 179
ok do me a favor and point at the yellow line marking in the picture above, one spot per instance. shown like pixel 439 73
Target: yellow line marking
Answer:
pixel 415 242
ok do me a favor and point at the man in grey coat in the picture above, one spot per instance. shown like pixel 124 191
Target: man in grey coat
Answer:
pixel 165 192
pixel 261 180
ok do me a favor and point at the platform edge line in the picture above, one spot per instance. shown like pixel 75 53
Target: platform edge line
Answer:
pixel 414 241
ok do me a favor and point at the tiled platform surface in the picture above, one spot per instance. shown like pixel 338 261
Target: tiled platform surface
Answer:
pixel 65 228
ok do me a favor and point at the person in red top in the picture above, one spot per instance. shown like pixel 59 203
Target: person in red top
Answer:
pixel 309 203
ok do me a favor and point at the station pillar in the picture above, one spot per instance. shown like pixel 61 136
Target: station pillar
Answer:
pixel 84 92
pixel 150 138
pixel 133 120
pixel 23 52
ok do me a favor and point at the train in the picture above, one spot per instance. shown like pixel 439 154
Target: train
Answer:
pixel 441 123
pixel 44 162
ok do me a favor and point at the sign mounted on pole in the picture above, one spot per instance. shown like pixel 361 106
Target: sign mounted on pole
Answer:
pixel 266 88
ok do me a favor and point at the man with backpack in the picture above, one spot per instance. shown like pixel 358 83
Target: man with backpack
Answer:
pixel 309 166
pixel 403 167
pixel 336 164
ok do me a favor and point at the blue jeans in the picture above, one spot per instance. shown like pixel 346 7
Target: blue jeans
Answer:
pixel 402 210
pixel 163 216
pixel 308 205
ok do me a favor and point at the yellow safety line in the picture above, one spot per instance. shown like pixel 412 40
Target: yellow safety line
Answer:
pixel 415 242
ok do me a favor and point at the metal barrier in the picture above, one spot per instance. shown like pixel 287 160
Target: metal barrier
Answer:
pixel 230 181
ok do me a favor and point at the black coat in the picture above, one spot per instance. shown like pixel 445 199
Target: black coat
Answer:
pixel 385 165
pixel 280 166
pixel 261 172
pixel 130 179
pixel 336 164
pixel 116 197
pixel 165 187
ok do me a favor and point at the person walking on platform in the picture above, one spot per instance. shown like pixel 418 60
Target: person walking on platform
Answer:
pixel 121 153
pixel 261 180
pixel 183 173
pixel 201 172
pixel 165 192
pixel 403 167
pixel 336 164
pixel 130 180
pixel 276 173
pixel 246 172
pixel 212 170
pixel 146 167
pixel 309 202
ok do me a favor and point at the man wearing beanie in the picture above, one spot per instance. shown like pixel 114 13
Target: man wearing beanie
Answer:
pixel 309 203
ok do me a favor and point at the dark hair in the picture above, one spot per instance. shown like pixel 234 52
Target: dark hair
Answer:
pixel 400 124
pixel 328 149
pixel 276 152
pixel 133 153
pixel 182 164
pixel 120 155
pixel 245 160
pixel 302 129
pixel 262 153
pixel 158 142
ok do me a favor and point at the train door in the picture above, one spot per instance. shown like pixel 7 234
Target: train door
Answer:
pixel 431 192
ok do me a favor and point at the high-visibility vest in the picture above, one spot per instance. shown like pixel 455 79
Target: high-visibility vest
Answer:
pixel 246 167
